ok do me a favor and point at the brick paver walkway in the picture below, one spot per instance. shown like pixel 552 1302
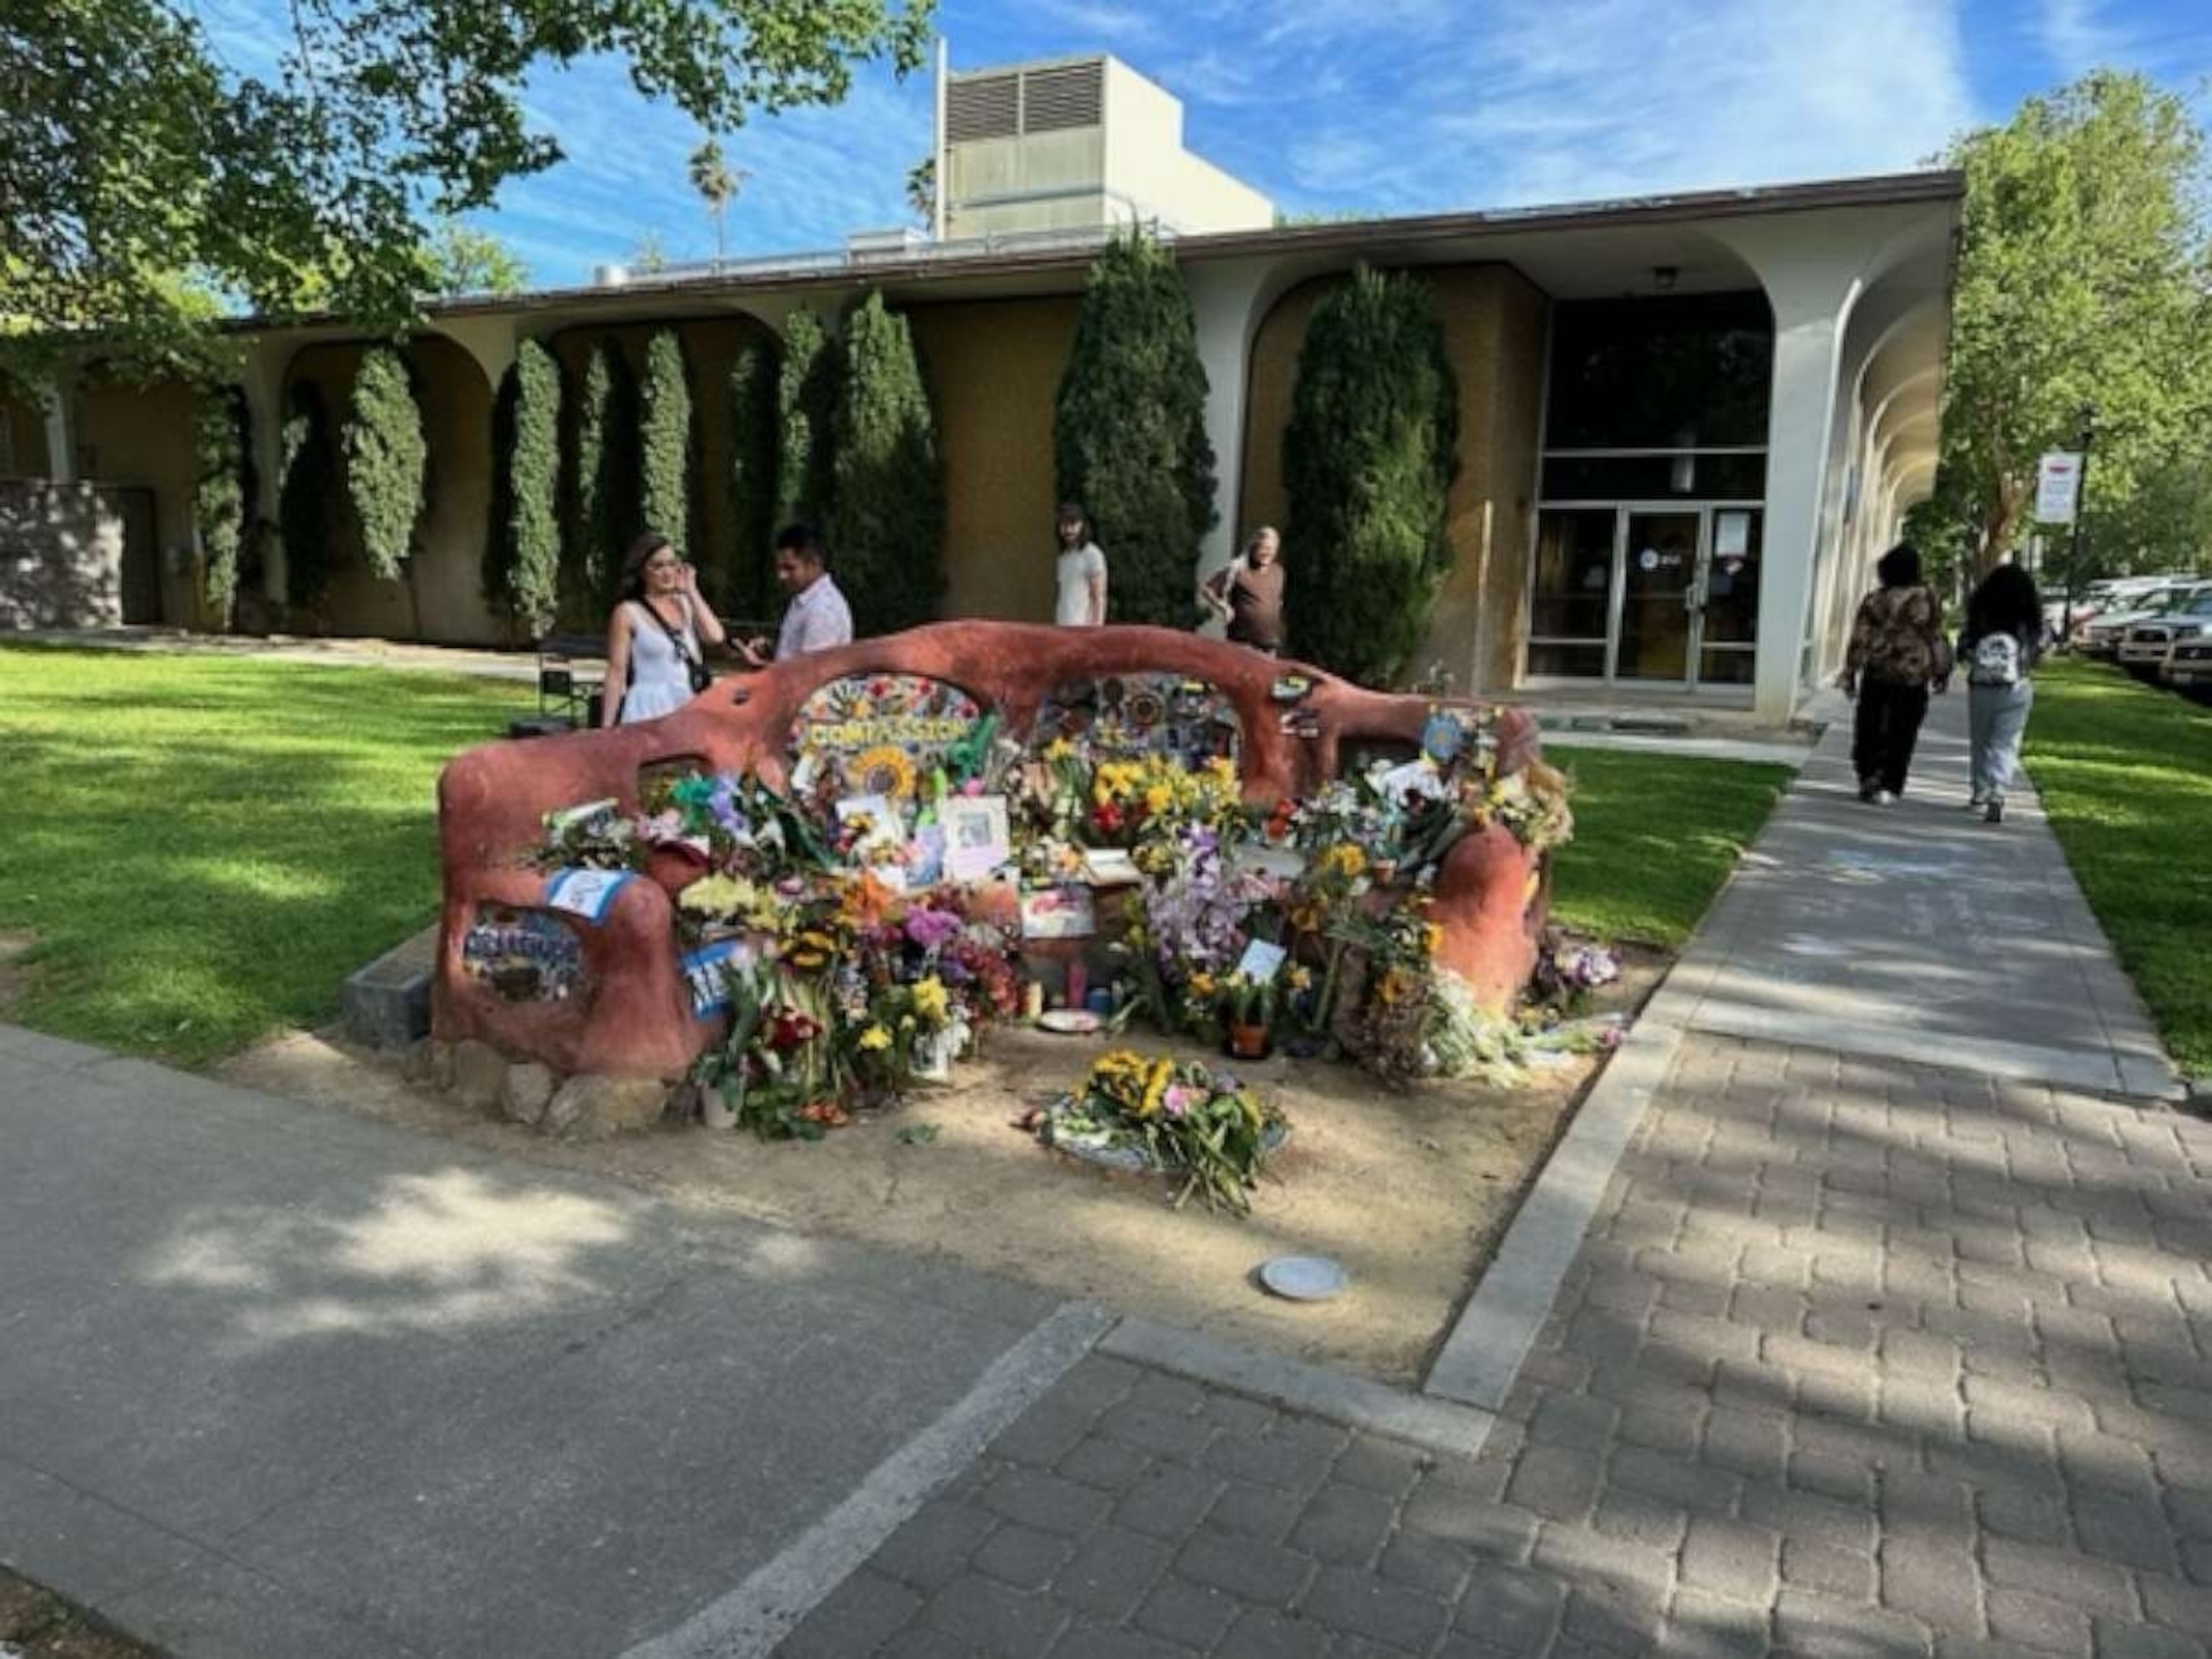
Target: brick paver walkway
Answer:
pixel 1860 1359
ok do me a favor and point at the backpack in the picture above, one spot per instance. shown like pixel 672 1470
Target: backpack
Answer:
pixel 1997 660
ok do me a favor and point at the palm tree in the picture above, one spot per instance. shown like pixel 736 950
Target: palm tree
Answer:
pixel 713 178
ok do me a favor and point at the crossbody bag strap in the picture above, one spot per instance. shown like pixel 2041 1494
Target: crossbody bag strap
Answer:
pixel 675 635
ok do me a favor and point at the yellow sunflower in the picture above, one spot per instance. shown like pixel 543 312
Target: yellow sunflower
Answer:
pixel 885 770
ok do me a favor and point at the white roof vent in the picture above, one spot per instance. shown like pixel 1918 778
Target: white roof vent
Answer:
pixel 609 276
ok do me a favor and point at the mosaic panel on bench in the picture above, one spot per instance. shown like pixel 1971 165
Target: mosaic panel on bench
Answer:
pixel 523 955
pixel 1127 716
pixel 879 734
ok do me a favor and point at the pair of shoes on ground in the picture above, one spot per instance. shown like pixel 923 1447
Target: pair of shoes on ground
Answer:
pixel 1875 795
pixel 1992 808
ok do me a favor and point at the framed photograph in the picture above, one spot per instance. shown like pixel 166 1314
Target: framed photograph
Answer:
pixel 1063 912
pixel 976 839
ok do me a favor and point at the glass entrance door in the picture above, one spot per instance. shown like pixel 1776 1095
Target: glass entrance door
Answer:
pixel 1658 595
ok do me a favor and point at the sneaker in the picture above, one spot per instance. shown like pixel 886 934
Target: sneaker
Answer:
pixel 1994 813
pixel 1869 793
pixel 1883 798
pixel 1976 803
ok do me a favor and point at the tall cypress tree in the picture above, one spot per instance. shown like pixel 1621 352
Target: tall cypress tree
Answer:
pixel 807 399
pixel 743 589
pixel 603 469
pixel 1129 432
pixel 387 465
pixel 223 491
pixel 309 475
pixel 887 511
pixel 1368 461
pixel 664 442
pixel 387 458
pixel 523 562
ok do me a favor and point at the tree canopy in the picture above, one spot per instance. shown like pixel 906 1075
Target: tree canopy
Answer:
pixel 1128 435
pixel 523 570
pixel 718 182
pixel 887 517
pixel 459 258
pixel 1368 457
pixel 2083 281
pixel 133 151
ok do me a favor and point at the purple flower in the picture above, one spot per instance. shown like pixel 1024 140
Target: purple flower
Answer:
pixel 932 930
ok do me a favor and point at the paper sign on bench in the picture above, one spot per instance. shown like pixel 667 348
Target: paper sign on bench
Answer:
pixel 585 892
pixel 706 974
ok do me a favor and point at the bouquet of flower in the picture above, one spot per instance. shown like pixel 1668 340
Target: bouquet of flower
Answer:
pixel 1181 1117
pixel 1568 970
pixel 1394 1024
pixel 722 904
pixel 1246 1003
pixel 595 835
pixel 773 1070
pixel 1155 798
pixel 743 823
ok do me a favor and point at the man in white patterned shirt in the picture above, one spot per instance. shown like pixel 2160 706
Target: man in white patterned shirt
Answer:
pixel 818 617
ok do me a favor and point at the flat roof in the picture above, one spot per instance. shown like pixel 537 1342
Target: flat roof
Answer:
pixel 802 269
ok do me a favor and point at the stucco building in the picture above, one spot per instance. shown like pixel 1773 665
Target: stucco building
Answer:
pixel 1688 423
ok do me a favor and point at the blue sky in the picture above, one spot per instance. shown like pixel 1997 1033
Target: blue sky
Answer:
pixel 1386 106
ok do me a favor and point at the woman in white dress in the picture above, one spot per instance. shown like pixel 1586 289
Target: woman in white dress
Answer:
pixel 655 660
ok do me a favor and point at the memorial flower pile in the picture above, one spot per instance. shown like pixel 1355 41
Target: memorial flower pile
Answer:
pixel 1181 1117
pixel 863 924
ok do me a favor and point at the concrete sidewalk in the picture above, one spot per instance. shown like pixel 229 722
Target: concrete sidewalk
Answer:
pixel 1883 1338
pixel 282 1381
pixel 1916 931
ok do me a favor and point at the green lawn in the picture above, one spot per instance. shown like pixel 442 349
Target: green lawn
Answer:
pixel 203 847
pixel 1655 837
pixel 2125 773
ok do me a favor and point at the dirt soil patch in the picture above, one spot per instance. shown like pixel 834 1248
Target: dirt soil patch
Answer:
pixel 1409 1187
pixel 36 1624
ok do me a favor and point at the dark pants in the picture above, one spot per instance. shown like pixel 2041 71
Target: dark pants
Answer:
pixel 1882 735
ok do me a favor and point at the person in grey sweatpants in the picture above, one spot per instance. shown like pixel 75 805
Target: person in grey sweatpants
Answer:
pixel 1998 650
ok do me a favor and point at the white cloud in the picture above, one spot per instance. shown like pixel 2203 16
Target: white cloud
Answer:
pixel 2074 35
pixel 1547 101
pixel 1093 25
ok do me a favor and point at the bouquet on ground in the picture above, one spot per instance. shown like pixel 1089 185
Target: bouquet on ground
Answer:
pixel 776 1070
pixel 1178 1116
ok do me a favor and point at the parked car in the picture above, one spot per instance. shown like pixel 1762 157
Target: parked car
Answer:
pixel 2189 667
pixel 2104 636
pixel 2142 653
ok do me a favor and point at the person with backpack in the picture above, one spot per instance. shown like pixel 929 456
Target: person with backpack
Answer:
pixel 2001 643
pixel 1897 650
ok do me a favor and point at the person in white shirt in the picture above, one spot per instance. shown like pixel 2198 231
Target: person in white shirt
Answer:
pixel 817 618
pixel 1081 598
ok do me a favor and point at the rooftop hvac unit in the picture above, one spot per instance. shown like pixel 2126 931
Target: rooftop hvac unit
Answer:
pixel 899 242
pixel 1012 102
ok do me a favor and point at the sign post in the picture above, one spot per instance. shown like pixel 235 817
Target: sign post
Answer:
pixel 2058 486
pixel 2074 547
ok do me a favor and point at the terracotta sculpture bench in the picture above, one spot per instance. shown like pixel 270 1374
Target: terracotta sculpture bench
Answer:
pixel 623 1007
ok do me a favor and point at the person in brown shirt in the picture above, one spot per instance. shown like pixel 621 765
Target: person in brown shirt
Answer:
pixel 1897 650
pixel 1247 593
